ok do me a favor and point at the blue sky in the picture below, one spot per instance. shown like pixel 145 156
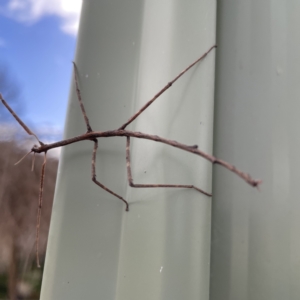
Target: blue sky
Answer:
pixel 37 46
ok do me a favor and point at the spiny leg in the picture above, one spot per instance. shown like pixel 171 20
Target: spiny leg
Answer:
pixel 165 88
pixel 130 180
pixel 97 182
pixel 39 211
pixel 89 128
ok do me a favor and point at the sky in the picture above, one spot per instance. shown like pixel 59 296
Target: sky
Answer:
pixel 37 47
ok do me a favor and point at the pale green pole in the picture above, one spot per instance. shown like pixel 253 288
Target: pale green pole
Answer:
pixel 127 51
pixel 255 235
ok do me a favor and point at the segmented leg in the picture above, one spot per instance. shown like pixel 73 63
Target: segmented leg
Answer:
pixel 167 86
pixel 25 127
pixel 88 126
pixel 130 180
pixel 39 211
pixel 99 183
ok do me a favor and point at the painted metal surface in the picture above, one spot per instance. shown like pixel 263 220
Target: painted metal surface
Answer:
pixel 255 235
pixel 160 249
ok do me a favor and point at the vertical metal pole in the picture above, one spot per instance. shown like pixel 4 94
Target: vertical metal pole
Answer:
pixel 160 249
pixel 255 240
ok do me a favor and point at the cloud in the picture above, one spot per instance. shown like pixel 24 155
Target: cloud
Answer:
pixel 30 11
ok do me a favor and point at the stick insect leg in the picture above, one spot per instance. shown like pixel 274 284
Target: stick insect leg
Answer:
pixel 97 182
pixel 130 180
pixel 19 120
pixel 167 86
pixel 39 211
pixel 88 126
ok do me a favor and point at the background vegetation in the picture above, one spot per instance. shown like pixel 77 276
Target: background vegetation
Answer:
pixel 19 189
pixel 19 276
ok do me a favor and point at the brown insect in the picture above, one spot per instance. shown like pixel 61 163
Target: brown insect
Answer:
pixel 121 131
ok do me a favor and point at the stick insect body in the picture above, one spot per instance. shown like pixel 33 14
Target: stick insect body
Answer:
pixel 121 131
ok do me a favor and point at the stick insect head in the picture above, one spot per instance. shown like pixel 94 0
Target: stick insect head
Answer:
pixel 37 149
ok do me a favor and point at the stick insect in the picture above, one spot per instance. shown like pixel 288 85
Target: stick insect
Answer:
pixel 92 135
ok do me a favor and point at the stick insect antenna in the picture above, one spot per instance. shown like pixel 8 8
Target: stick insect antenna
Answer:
pixel 23 157
pixel 132 184
pixel 33 160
